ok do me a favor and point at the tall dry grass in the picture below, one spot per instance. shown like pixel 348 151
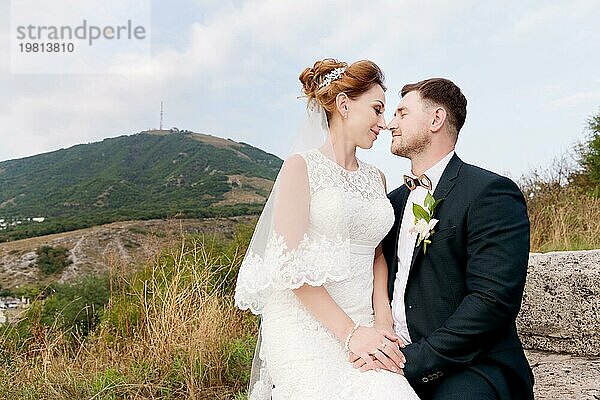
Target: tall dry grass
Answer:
pixel 564 213
pixel 170 331
pixel 570 222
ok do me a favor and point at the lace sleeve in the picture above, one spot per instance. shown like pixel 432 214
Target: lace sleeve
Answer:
pixel 291 256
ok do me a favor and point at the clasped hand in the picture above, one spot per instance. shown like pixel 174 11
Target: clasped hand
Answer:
pixel 374 349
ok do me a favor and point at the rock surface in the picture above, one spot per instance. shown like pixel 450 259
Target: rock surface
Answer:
pixel 561 303
pixel 564 376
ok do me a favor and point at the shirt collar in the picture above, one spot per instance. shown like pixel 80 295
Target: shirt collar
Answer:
pixel 435 173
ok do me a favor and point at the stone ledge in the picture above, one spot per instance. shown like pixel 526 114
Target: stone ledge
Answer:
pixel 564 376
pixel 561 304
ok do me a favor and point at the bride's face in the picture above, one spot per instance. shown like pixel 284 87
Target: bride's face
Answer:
pixel 365 117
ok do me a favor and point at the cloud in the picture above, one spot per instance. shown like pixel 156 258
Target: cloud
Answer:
pixel 549 19
pixel 584 98
pixel 77 112
pixel 234 70
pixel 4 44
pixel 555 15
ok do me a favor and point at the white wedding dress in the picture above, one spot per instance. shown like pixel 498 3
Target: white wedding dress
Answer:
pixel 348 216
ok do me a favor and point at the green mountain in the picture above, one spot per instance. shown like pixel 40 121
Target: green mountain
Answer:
pixel 151 174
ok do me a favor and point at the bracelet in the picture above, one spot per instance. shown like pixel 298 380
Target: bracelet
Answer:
pixel 347 342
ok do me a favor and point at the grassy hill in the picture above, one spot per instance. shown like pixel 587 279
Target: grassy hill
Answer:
pixel 152 174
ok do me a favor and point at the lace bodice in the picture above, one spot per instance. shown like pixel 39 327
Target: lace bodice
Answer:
pixel 349 203
pixel 324 173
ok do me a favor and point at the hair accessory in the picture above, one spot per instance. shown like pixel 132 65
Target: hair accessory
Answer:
pixel 332 76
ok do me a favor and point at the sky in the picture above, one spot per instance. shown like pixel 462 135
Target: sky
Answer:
pixel 529 70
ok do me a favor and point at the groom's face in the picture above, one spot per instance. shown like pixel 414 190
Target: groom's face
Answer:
pixel 410 126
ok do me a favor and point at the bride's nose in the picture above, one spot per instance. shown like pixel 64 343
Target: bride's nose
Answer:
pixel 381 123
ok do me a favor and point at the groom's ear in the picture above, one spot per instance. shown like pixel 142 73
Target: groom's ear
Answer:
pixel 439 116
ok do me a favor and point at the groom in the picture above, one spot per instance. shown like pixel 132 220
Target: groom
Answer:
pixel 455 299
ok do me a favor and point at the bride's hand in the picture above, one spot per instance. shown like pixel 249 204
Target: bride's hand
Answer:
pixel 359 364
pixel 382 345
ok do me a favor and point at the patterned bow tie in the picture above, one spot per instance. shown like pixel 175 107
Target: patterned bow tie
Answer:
pixel 422 180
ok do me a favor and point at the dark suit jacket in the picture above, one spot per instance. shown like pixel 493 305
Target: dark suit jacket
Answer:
pixel 463 296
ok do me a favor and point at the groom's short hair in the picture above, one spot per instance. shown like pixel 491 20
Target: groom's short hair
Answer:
pixel 442 92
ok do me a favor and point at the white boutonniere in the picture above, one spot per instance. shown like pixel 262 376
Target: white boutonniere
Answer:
pixel 424 221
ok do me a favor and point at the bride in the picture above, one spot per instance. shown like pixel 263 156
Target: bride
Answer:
pixel 314 270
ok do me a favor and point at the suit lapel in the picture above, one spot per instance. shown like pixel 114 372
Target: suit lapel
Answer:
pixel 442 190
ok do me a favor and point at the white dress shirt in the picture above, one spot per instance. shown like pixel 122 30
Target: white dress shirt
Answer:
pixel 406 246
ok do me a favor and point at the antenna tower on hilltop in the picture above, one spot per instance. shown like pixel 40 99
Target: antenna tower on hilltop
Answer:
pixel 161 115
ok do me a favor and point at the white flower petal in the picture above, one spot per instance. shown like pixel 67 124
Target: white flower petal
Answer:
pixel 420 227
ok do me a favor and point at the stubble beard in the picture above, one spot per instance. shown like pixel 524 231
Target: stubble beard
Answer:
pixel 412 147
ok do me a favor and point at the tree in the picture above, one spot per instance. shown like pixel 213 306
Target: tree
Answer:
pixel 77 306
pixel 51 260
pixel 590 154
